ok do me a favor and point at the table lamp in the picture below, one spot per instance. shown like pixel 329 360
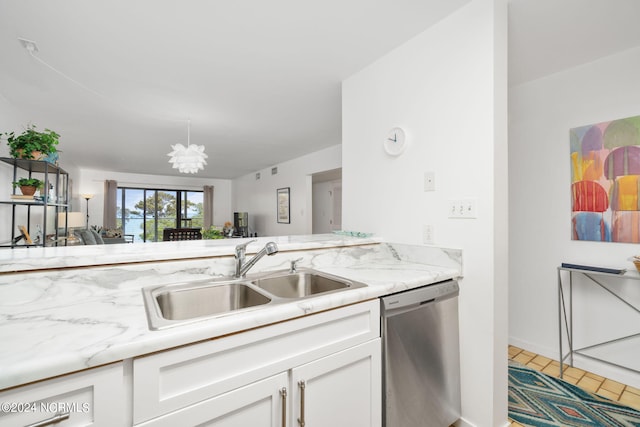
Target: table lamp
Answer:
pixel 74 220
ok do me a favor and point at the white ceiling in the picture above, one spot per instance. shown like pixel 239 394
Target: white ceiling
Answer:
pixel 259 80
pixel 548 36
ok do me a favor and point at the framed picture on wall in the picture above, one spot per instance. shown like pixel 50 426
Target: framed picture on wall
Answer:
pixel 605 181
pixel 284 207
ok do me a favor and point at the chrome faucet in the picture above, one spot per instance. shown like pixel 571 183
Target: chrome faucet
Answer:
pixel 242 267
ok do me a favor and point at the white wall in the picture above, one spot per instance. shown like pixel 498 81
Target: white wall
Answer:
pixel 447 89
pixel 541 114
pixel 92 181
pixel 258 197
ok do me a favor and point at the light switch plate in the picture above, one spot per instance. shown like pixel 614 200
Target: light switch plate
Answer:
pixel 463 208
pixel 429 181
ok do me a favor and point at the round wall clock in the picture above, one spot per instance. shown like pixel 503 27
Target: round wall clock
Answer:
pixel 396 142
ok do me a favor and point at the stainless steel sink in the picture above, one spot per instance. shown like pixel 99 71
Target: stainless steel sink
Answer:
pixel 302 284
pixel 168 304
pixel 178 304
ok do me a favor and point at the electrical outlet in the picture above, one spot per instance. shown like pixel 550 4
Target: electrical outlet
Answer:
pixel 429 181
pixel 427 234
pixel 463 208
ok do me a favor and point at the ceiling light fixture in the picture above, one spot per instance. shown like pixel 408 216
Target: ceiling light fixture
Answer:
pixel 189 159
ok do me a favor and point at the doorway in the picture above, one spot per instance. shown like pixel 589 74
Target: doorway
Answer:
pixel 327 201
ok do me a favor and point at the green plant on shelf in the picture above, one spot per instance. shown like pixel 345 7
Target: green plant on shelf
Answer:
pixel 32 144
pixel 28 182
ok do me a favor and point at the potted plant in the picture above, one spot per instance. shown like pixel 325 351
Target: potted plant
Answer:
pixel 32 144
pixel 212 233
pixel 28 186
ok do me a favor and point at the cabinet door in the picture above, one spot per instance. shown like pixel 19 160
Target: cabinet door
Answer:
pixel 260 404
pixel 95 397
pixel 168 381
pixel 341 390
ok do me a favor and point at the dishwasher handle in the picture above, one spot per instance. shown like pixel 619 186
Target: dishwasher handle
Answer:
pixel 416 298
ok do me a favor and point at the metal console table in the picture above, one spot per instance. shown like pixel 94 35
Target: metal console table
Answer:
pixel 565 301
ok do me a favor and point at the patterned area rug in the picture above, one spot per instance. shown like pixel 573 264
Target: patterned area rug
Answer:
pixel 537 399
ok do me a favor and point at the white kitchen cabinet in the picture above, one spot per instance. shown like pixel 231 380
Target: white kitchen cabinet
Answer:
pixel 341 390
pixel 95 397
pixel 260 404
pixel 248 378
pixel 242 375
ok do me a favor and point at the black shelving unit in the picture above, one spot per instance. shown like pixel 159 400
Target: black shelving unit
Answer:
pixel 55 201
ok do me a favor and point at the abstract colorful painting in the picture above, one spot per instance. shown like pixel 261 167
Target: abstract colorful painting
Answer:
pixel 605 181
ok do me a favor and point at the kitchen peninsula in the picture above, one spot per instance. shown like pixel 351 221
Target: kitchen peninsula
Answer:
pixel 65 310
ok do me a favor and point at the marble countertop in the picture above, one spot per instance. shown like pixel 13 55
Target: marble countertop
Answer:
pixel 60 321
pixel 38 258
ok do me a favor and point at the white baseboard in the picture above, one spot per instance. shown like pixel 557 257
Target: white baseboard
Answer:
pixel 615 373
pixel 599 368
pixel 551 353
pixel 464 423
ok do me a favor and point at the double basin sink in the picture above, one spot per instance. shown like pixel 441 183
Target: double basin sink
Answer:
pixel 178 304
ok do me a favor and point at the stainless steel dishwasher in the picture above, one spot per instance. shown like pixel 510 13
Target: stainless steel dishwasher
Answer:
pixel 421 357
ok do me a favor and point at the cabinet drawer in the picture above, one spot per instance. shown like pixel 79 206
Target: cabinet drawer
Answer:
pixel 167 381
pixel 94 397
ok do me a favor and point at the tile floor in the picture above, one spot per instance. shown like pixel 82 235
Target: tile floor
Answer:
pixel 593 383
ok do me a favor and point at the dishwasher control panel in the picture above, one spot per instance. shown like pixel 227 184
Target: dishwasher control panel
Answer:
pixel 421 295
